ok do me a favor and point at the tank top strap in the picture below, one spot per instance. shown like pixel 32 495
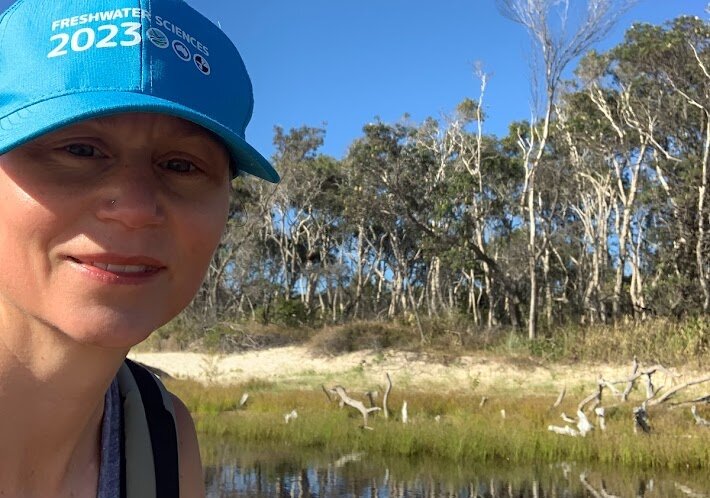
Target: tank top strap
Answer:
pixel 111 429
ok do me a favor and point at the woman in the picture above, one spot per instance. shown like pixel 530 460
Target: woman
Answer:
pixel 121 125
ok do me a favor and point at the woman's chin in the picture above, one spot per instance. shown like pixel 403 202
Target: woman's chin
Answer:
pixel 113 334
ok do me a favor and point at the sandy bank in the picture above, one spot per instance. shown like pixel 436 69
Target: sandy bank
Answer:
pixel 297 365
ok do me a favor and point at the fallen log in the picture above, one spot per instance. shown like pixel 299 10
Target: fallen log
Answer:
pixel 358 405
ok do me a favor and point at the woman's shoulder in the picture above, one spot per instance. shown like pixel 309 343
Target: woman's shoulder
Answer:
pixel 191 480
pixel 148 399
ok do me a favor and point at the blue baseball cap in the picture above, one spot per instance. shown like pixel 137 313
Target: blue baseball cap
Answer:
pixel 66 61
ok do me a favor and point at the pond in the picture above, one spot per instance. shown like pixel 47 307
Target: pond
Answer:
pixel 249 472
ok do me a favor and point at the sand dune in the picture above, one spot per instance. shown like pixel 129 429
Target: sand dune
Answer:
pixel 297 365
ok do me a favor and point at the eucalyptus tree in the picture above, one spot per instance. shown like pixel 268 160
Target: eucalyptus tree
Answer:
pixel 652 90
pixel 556 48
pixel 673 61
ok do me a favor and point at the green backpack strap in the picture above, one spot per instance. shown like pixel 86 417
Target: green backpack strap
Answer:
pixel 150 435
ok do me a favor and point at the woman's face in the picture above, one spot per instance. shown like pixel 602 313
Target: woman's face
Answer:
pixel 107 226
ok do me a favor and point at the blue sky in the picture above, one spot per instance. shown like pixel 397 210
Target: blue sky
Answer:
pixel 341 63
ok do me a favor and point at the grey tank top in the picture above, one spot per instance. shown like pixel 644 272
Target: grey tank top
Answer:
pixel 111 433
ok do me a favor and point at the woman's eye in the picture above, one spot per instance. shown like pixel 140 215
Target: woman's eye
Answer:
pixel 180 165
pixel 83 150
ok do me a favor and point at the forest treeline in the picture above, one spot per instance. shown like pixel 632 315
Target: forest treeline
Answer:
pixel 428 219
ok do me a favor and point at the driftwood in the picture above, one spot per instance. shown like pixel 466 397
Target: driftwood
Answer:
pixel 327 394
pixel 582 423
pixel 698 419
pixel 558 402
pixel 600 412
pixel 565 431
pixel 641 420
pixel 654 396
pixel 630 383
pixel 596 396
pixel 386 396
pixel 669 394
pixel 702 399
pixel 358 405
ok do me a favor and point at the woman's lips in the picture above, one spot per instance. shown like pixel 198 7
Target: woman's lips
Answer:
pixel 118 269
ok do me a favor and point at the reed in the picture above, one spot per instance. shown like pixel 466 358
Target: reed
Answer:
pixel 466 432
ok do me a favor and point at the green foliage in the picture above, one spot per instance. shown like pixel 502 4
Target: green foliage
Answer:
pixel 289 313
pixel 421 231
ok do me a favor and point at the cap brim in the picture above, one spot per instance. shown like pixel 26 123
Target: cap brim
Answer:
pixel 57 112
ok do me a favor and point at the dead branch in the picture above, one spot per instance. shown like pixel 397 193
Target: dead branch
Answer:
pixel 560 397
pixel 601 420
pixel 358 405
pixel 630 383
pixel 565 431
pixel 583 423
pixel 596 396
pixel 698 419
pixel 483 401
pixel 702 399
pixel 243 400
pixel 327 394
pixel 646 371
pixel 672 392
pixel 371 395
pixel 605 383
pixel 386 396
pixel 568 419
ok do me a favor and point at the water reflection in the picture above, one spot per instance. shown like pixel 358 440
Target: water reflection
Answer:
pixel 278 473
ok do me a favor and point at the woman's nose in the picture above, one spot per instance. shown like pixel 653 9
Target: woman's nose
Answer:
pixel 132 197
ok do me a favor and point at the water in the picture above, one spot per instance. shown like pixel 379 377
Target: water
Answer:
pixel 289 473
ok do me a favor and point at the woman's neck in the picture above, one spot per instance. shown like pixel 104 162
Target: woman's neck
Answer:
pixel 51 407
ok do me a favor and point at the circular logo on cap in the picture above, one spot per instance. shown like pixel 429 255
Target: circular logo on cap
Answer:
pixel 181 50
pixel 158 38
pixel 202 64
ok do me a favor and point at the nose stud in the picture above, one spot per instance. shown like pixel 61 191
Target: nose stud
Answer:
pixel 113 202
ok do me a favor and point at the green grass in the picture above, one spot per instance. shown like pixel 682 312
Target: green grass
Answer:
pixel 465 433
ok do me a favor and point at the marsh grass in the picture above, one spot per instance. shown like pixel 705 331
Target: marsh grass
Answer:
pixel 465 433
